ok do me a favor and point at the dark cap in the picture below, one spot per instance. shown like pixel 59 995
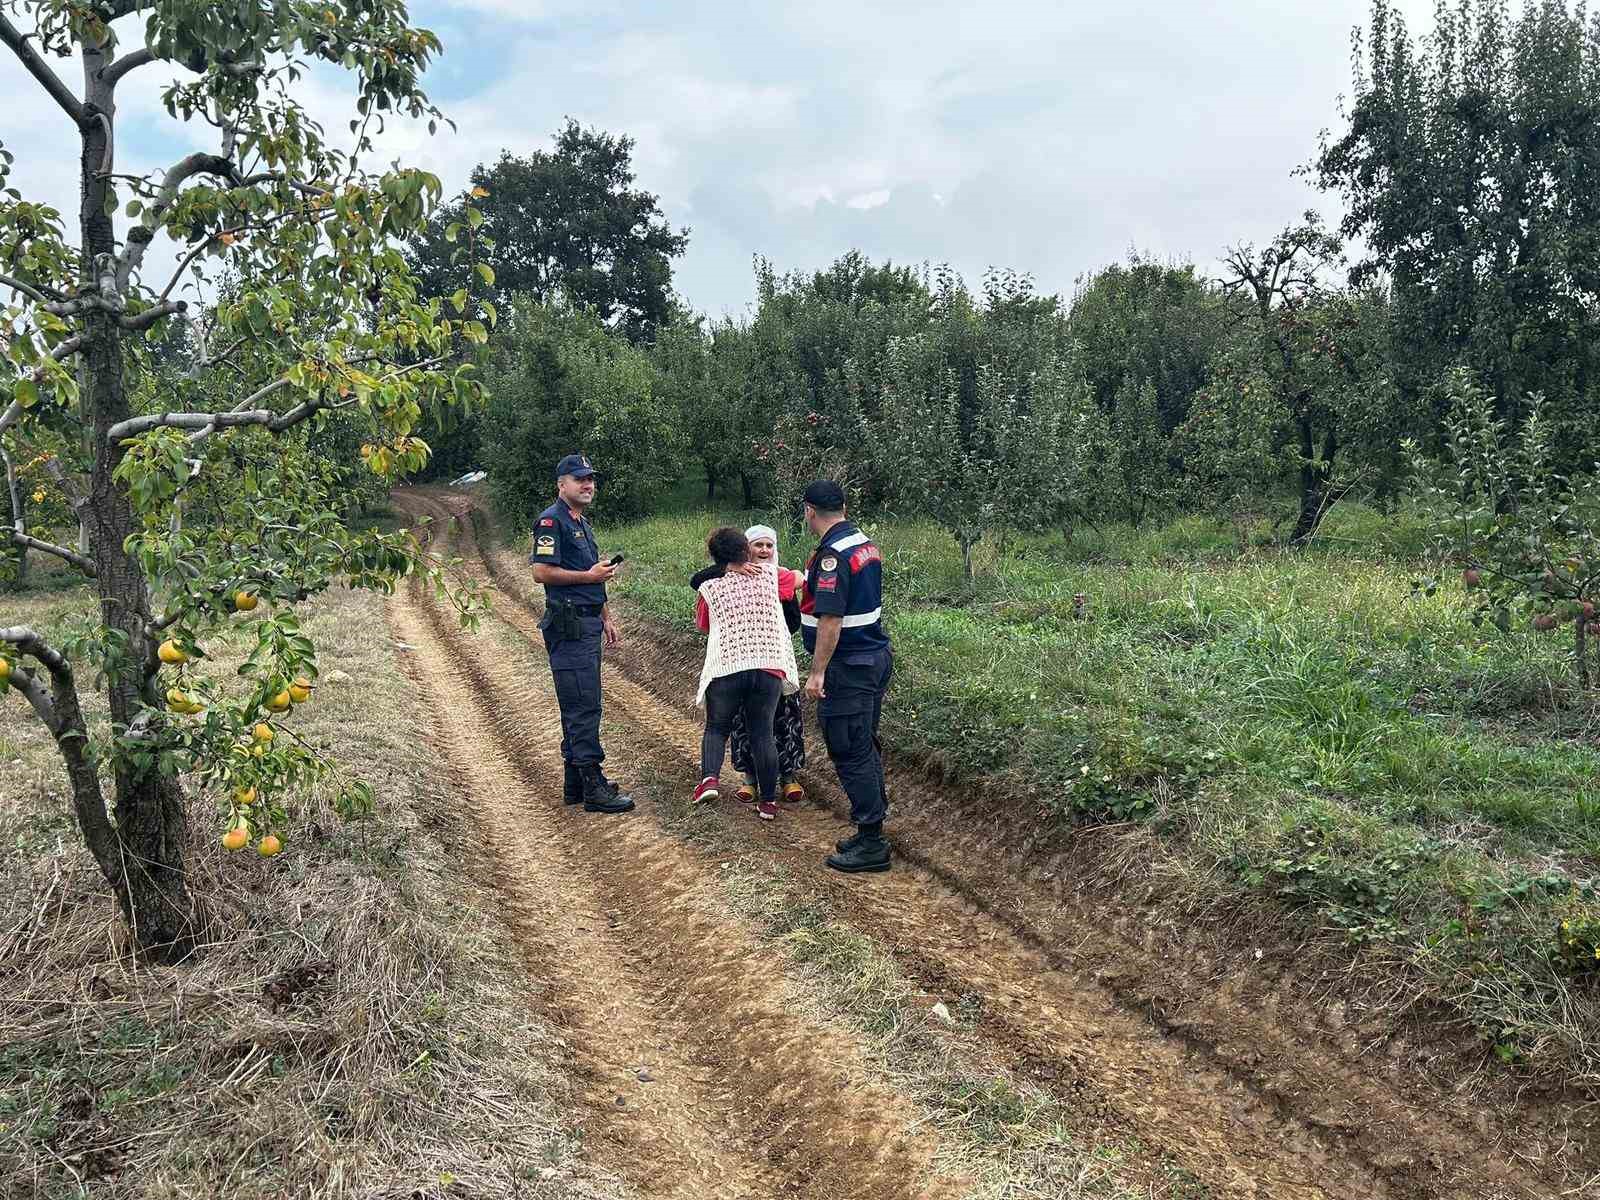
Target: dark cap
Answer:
pixel 824 495
pixel 575 465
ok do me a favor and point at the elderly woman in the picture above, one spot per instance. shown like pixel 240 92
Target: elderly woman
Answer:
pixel 749 665
pixel 788 729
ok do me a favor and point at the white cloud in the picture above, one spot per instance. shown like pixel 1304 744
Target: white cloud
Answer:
pixel 1043 135
pixel 876 198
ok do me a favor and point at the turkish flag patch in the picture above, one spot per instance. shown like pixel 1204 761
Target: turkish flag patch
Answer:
pixel 546 522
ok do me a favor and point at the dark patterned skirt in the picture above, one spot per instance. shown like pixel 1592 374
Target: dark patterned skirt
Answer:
pixel 790 729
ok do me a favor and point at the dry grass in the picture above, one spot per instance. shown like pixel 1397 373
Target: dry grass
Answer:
pixel 412 1068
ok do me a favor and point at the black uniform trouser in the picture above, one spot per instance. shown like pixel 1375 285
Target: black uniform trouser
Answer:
pixel 575 665
pixel 849 714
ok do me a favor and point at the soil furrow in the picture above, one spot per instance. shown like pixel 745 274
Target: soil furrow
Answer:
pixel 1239 1094
pixel 756 1102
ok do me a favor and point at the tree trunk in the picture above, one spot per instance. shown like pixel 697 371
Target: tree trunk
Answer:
pixel 711 486
pixel 966 556
pixel 1316 476
pixel 144 860
pixel 1580 649
pixel 749 485
pixel 18 522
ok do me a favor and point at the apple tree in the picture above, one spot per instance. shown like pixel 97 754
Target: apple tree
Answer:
pixel 181 449
pixel 1524 535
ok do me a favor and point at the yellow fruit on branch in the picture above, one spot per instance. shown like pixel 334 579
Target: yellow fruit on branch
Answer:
pixel 244 797
pixel 244 601
pixel 176 700
pixel 236 837
pixel 263 732
pixel 268 846
pixel 299 692
pixel 5 670
pixel 171 653
pixel 280 702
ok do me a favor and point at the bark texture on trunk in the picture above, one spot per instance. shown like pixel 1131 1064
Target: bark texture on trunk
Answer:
pixel 143 854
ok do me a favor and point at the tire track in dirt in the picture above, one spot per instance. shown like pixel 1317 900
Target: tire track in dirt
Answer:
pixel 742 1098
pixel 1259 1110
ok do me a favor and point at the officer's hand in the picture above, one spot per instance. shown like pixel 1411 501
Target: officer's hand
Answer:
pixel 814 687
pixel 613 633
pixel 746 568
pixel 601 572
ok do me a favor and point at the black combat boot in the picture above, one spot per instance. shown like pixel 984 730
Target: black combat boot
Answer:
pixel 844 844
pixel 597 797
pixel 867 851
pixel 572 785
pixel 609 785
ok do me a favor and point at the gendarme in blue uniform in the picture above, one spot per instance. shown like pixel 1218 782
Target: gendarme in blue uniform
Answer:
pixel 845 579
pixel 561 539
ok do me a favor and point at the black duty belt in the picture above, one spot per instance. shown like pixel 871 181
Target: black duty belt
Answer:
pixel 583 610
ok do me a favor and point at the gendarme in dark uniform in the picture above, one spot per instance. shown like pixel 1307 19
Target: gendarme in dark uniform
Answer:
pixel 844 580
pixel 574 631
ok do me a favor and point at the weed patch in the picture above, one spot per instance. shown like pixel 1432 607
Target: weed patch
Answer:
pixel 1306 727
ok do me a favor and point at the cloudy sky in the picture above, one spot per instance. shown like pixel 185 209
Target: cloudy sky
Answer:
pixel 1051 136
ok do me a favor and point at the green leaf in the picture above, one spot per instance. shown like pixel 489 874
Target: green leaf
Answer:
pixel 27 393
pixel 486 272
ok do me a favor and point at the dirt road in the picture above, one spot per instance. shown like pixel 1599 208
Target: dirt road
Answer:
pixel 702 1076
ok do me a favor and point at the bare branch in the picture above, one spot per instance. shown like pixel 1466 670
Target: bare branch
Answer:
pixel 37 697
pixel 206 362
pixel 86 565
pixel 71 346
pixel 140 237
pixel 14 489
pixel 128 62
pixel 33 291
pixel 8 418
pixel 40 70
pixel 154 313
pixel 28 642
pixel 68 488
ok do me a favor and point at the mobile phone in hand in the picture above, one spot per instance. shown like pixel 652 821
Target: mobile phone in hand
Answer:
pixel 615 559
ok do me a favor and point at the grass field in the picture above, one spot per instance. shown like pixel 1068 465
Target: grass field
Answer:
pixel 1298 726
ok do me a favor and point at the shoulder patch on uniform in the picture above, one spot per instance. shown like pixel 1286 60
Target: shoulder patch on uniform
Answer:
pixel 578 533
pixel 545 545
pixel 829 564
pixel 828 583
pixel 866 554
pixel 546 522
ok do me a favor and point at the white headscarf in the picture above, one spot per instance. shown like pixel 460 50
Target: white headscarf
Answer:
pixel 762 531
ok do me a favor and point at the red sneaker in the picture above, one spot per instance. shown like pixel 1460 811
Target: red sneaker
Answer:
pixel 767 810
pixel 707 789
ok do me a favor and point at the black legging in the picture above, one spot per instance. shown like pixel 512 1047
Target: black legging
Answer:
pixel 756 693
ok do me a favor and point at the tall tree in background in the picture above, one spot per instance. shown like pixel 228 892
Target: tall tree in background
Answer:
pixel 1315 369
pixel 559 381
pixel 1470 169
pixel 984 426
pixel 567 223
pixel 1143 337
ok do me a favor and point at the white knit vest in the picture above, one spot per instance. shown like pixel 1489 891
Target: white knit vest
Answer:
pixel 747 629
